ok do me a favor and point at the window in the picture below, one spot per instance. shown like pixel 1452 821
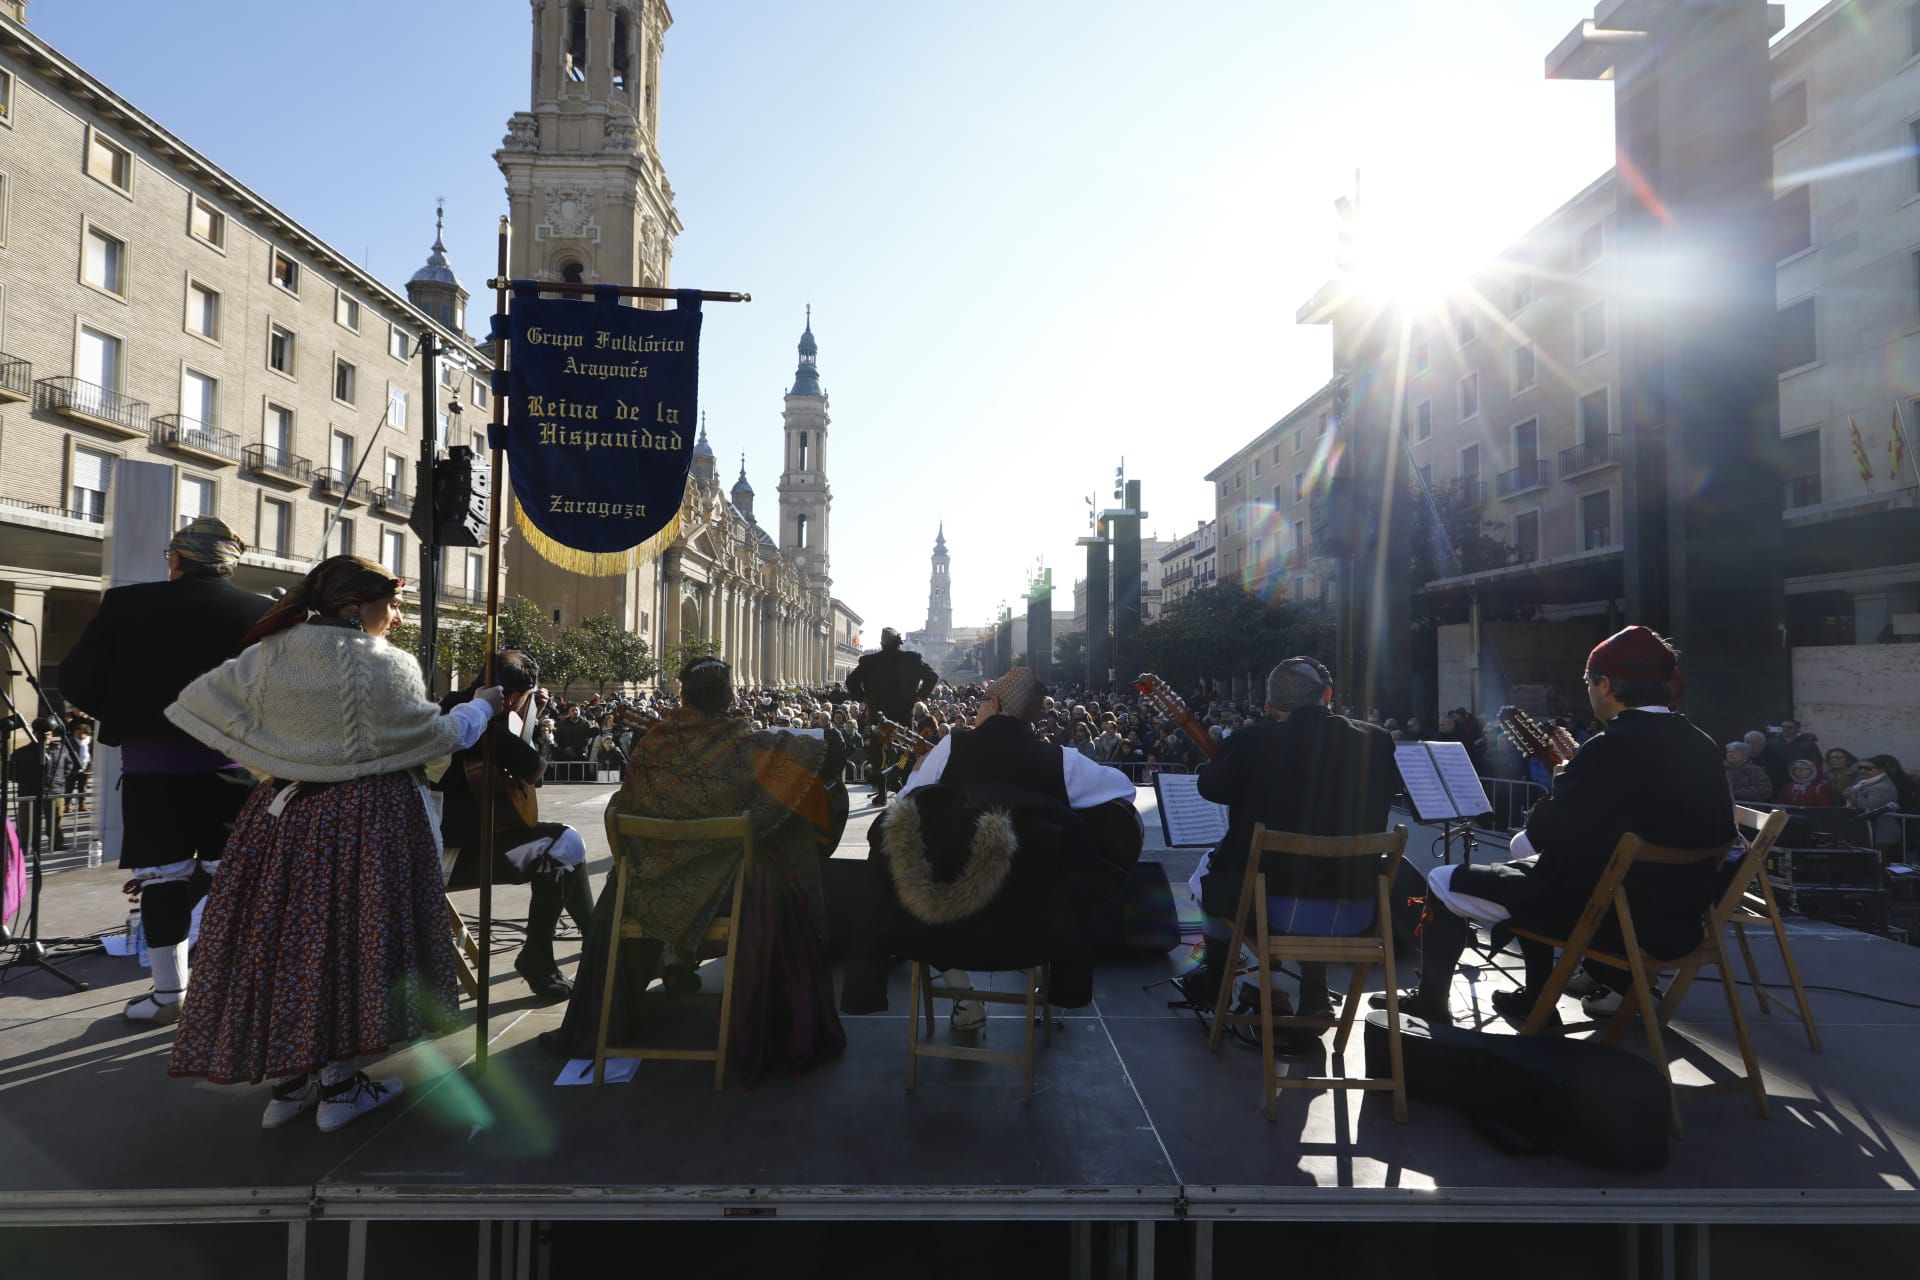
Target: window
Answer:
pixel 3 208
pixel 800 531
pixel 1466 328
pixel 281 349
pixel 396 408
pixel 346 311
pixel 1526 450
pixel 1794 345
pixel 108 161
pixel 1469 396
pixel 393 552
pixel 206 223
pixel 1259 549
pixel 1524 367
pixel 203 311
pixel 395 474
pixel 276 432
pixel 1299 485
pixel 440 425
pixel 1522 293
pixel 803 451
pixel 1590 326
pixel 1595 417
pixel 1590 246
pixel 340 453
pixel 1596 521
pixel 87 473
pixel 1300 440
pixel 447 373
pixel 1423 421
pixel 1793 222
pixel 192 499
pixel 340 541
pixel 199 398
pixel 6 98
pixel 1257 462
pixel 276 526
pixel 1789 113
pixel 576 62
pixel 1276 495
pixel 399 344
pixel 344 379
pixel 477 576
pixel 1422 358
pixel 285 272
pixel 1300 536
pixel 1913 31
pixel 1526 536
pixel 103 262
pixel 1470 464
pixel 479 393
pixel 98 359
pixel 1801 469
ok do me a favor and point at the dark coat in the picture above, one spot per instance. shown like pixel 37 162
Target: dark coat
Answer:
pixel 149 641
pixel 41 771
pixel 1314 773
pixel 891 681
pixel 1658 776
pixel 460 808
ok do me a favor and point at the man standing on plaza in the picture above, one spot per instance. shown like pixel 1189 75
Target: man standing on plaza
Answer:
pixel 147 642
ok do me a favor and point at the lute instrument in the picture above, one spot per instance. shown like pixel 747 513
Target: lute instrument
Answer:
pixel 1551 747
pixel 913 744
pixel 1169 704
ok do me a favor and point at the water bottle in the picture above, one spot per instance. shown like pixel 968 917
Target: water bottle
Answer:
pixel 140 939
pixel 93 855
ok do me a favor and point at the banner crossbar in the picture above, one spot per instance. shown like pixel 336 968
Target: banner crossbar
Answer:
pixel 620 290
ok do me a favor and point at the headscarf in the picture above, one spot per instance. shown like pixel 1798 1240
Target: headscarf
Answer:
pixel 207 540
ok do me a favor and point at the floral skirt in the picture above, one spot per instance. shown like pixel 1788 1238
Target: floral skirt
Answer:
pixel 325 936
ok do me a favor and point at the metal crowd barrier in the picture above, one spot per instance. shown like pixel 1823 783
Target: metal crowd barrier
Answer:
pixel 65 827
pixel 1141 771
pixel 566 772
pixel 1511 798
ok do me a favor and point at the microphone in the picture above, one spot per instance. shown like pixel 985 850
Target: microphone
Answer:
pixel 7 616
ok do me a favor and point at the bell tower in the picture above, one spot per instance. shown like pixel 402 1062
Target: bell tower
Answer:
pixel 805 497
pixel 939 590
pixel 589 198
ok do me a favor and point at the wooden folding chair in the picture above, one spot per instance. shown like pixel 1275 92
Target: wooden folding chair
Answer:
pixel 1362 951
pixel 1755 906
pixel 921 994
pixel 722 930
pixel 1609 894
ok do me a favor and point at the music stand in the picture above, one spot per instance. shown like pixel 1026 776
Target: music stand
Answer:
pixel 1442 787
pixel 32 949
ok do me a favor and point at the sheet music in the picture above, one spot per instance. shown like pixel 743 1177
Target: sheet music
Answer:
pixel 1186 819
pixel 1462 782
pixel 1421 777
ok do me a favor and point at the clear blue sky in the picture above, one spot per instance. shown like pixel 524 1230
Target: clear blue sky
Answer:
pixel 1037 237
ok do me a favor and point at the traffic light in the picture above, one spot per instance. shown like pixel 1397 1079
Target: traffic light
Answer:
pixel 451 509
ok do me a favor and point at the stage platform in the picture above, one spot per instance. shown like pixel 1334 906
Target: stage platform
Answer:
pixel 1133 1119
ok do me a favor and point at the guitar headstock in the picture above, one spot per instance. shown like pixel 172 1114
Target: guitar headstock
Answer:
pixel 1553 747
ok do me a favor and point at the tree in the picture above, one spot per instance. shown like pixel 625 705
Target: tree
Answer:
pixel 604 651
pixel 1476 542
pixel 1070 654
pixel 679 654
pixel 1222 631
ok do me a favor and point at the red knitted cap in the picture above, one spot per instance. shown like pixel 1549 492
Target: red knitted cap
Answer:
pixel 1635 655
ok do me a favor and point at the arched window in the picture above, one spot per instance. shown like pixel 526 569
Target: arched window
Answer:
pixel 577 43
pixel 572 272
pixel 803 451
pixel 800 532
pixel 622 53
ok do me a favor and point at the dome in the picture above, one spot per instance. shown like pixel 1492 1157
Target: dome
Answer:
pixel 438 270
pixel 741 485
pixel 701 449
pixel 806 378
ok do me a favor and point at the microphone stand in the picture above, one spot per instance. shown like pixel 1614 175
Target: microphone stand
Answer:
pixel 32 949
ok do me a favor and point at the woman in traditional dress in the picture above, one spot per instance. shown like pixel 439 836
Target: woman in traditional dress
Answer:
pixel 325 938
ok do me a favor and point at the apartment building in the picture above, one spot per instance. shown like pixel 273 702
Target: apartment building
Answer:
pixel 1260 536
pixel 155 309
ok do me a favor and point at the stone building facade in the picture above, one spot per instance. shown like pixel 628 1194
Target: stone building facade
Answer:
pixel 155 309
pixel 1261 536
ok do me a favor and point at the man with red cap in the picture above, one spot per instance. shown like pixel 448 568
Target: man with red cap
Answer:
pixel 1652 773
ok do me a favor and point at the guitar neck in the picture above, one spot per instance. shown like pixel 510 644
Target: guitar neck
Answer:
pixel 1176 710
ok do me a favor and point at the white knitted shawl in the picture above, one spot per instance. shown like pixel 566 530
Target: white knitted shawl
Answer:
pixel 318 704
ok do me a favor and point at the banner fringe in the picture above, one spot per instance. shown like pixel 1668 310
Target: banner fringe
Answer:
pixel 595 564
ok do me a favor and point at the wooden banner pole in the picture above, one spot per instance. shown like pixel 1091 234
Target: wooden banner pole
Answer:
pixel 495 438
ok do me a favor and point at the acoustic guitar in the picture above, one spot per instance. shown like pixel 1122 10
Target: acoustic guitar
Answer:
pixel 1168 704
pixel 1551 747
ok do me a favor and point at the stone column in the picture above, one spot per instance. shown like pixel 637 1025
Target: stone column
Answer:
pixel 670 606
pixel 30 605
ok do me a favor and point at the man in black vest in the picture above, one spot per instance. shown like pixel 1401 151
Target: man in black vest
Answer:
pixel 1003 749
pixel 178 798
pixel 1304 770
pixel 890 682
pixel 1650 772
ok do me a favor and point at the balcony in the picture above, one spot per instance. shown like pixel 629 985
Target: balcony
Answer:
pixel 16 378
pixel 1591 456
pixel 44 509
pixel 1801 491
pixel 276 466
pixel 94 406
pixel 1522 479
pixel 196 439
pixel 458 595
pixel 337 485
pixel 1596 537
pixel 389 501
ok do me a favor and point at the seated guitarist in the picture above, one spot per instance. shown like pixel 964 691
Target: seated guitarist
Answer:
pixel 548 855
pixel 1652 773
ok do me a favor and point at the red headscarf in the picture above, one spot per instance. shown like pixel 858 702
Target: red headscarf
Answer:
pixel 1637 655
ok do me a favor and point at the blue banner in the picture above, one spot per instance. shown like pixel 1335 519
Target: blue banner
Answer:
pixel 601 412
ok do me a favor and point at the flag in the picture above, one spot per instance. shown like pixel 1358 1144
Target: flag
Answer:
pixel 1860 455
pixel 1896 444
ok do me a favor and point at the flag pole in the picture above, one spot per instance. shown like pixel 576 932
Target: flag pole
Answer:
pixel 496 438
pixel 1906 442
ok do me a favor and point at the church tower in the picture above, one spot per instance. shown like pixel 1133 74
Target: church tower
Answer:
pixel 939 591
pixel 591 204
pixel 434 288
pixel 805 498
pixel 588 197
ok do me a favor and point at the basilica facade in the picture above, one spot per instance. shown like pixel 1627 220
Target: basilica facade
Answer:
pixel 590 203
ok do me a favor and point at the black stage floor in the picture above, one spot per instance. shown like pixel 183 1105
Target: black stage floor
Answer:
pixel 1132 1119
